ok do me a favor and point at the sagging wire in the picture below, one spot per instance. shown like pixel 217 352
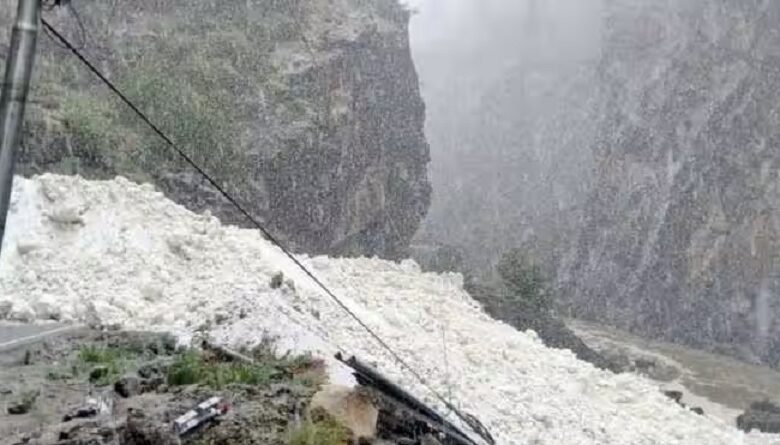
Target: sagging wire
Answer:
pixel 468 419
pixel 50 5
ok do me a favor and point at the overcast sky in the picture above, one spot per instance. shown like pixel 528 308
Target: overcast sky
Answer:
pixel 570 26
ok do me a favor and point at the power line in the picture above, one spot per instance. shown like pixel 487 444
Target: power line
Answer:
pixel 49 5
pixel 469 420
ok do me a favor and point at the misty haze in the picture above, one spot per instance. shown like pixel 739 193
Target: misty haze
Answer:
pixel 386 222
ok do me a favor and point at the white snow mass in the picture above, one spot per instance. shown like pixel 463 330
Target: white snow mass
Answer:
pixel 118 253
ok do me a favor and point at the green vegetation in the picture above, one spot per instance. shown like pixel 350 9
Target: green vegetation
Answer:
pixel 523 279
pixel 100 355
pixel 322 432
pixel 105 364
pixel 200 70
pixel 193 368
pixel 91 124
pixel 205 368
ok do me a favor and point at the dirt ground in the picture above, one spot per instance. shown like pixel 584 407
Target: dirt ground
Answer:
pixel 121 383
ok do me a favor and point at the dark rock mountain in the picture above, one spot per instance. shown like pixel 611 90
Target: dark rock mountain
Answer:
pixel 309 111
pixel 679 235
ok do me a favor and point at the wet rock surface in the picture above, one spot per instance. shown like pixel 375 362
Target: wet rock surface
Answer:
pixel 679 235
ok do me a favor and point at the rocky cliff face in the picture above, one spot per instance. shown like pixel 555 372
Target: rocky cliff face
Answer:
pixel 680 234
pixel 308 110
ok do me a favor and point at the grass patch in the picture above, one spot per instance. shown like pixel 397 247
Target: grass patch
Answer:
pixel 205 368
pixel 192 368
pixel 104 364
pixel 323 432
pixel 99 355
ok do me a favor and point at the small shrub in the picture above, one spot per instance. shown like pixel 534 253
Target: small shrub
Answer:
pixel 105 364
pixel 99 355
pixel 186 370
pixel 93 127
pixel 277 280
pixel 324 432
pixel 524 280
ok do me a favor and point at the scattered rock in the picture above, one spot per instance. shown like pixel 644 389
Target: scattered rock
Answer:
pixel 97 373
pixel 644 364
pixel 277 280
pixel 23 404
pixel 84 433
pixel 220 317
pixel 655 369
pixel 143 429
pixel 674 395
pixel 128 386
pixel 5 309
pixel 677 396
pixel 91 408
pixel 27 359
pixel 763 416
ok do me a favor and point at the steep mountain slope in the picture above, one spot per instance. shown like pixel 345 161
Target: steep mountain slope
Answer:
pixel 680 234
pixel 309 110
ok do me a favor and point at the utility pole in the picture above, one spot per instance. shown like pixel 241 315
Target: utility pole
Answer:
pixel 16 84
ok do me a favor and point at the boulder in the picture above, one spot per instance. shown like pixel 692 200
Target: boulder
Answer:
pixel 128 386
pixel 352 408
pixel 763 416
pixel 677 397
pixel 674 395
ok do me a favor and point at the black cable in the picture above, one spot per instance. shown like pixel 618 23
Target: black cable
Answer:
pixel 53 38
pixel 49 5
pixel 469 420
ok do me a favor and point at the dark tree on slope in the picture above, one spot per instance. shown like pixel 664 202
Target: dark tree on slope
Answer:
pixel 523 279
pixel 522 299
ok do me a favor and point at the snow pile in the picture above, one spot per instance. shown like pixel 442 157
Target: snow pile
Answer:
pixel 117 252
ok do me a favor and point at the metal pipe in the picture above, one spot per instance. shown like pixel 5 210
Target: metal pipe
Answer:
pixel 16 84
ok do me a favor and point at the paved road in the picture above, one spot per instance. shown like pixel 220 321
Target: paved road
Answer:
pixel 13 335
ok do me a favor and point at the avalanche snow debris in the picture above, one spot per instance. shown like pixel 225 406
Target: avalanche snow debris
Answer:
pixel 138 260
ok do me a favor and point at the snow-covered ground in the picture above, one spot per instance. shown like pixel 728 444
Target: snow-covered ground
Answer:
pixel 121 253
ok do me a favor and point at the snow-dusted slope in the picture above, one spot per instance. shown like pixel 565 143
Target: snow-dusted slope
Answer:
pixel 121 253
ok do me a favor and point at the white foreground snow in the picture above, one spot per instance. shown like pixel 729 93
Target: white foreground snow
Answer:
pixel 121 253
